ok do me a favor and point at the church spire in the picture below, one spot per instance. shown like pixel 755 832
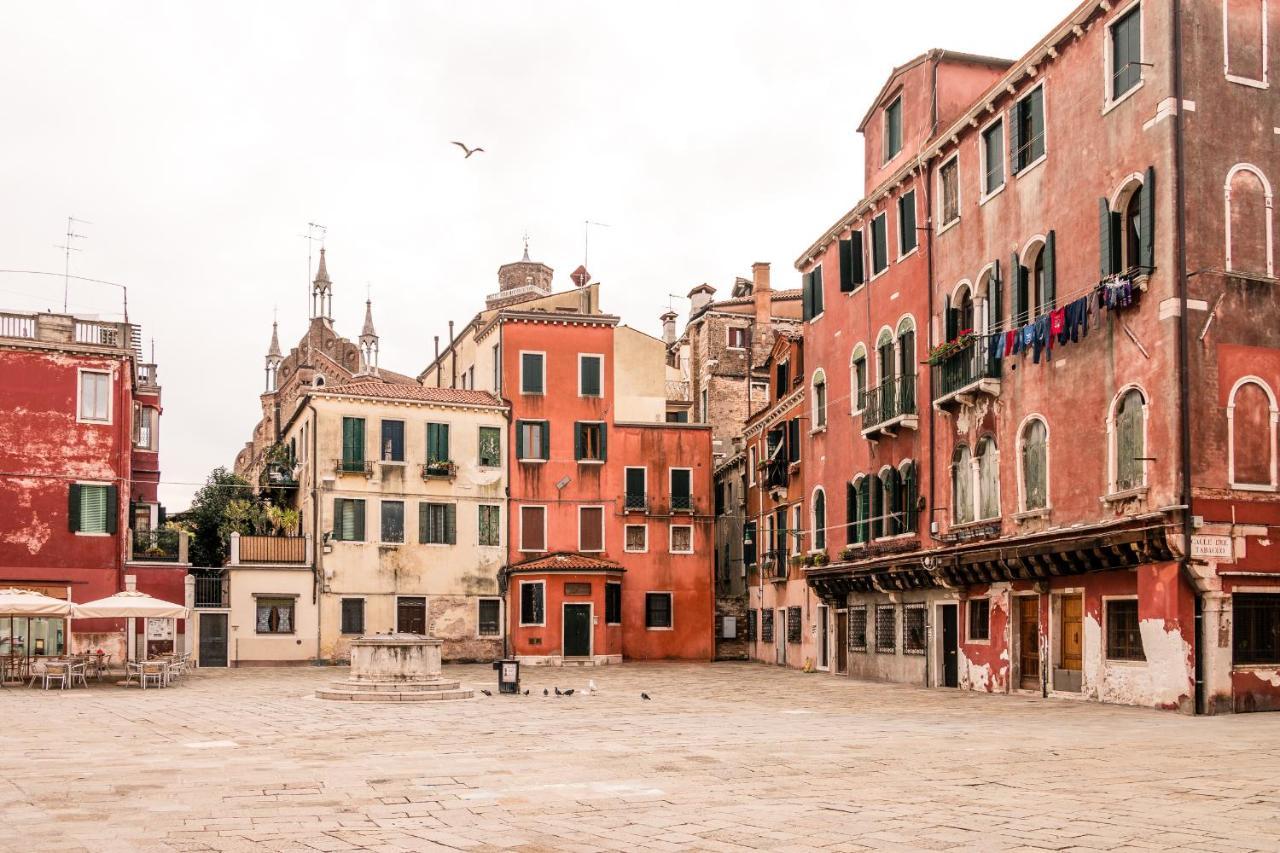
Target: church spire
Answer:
pixel 274 349
pixel 322 291
pixel 368 342
pixel 273 357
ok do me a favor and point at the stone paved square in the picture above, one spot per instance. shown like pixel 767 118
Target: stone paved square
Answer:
pixel 724 757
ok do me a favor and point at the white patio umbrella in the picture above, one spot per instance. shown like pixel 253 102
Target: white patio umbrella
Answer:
pixel 132 604
pixel 28 602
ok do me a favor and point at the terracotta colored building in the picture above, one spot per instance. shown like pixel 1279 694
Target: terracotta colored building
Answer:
pixel 609 510
pixel 80 414
pixel 1060 279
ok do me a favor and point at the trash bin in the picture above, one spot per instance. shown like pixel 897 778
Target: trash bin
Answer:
pixel 508 675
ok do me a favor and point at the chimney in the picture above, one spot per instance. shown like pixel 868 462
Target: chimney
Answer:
pixel 700 297
pixel 762 295
pixel 668 327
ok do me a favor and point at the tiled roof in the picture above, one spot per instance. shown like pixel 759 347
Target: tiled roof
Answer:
pixel 566 561
pixel 398 391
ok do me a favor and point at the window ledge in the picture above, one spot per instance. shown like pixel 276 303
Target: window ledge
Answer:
pixel 1248 81
pixel 1125 495
pixel 1112 104
pixel 897 537
pixel 1028 515
pixel 91 533
pixel 587 461
pixel 974 525
pixel 914 250
pixel 986 197
pixel 1253 667
pixel 818 429
pixel 1033 164
pixel 668 628
pixel 1126 663
pixel 948 226
pixel 399 463
pixel 533 461
pixel 1252 487
pixel 876 275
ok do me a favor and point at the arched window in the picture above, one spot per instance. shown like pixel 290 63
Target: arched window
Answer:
pixel 1035 465
pixel 819 399
pixel 1131 226
pixel 318 382
pixel 860 510
pixel 875 506
pixel 1251 422
pixel 989 291
pixel 960 318
pixel 1034 289
pixel 910 496
pixel 906 391
pixel 1129 428
pixel 891 482
pixel 819 520
pixel 858 378
pixel 961 486
pixel 988 478
pixel 884 357
pixel 1249 248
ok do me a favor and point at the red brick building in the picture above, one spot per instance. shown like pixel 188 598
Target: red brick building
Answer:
pixel 1072 255
pixel 79 470
pixel 609 510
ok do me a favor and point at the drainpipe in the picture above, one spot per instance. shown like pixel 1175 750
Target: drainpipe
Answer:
pixel 1184 390
pixel 504 580
pixel 317 538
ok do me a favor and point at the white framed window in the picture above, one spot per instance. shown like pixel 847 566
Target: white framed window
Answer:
pixel 819 387
pixel 949 192
pixel 1245 43
pixel 590 375
pixel 680 483
pixel 488 617
pixel 533 528
pixel 879 244
pixel 736 337
pixel 1251 435
pixel 819 519
pixel 658 614
pixel 637 538
pixel 533 603
pixel 893 129
pixel 908 240
pixel 144 427
pixel 1127 440
pixel 533 372
pixel 1123 54
pixel 753 459
pixel 92 508
pixel 681 539
pixel 1028 145
pixel 991 146
pixel 1249 246
pixel 1033 464
pixel 858 379
pixel 591 529
pixel 797 526
pixel 94 397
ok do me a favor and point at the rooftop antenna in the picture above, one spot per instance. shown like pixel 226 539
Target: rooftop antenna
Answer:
pixel 315 231
pixel 586 237
pixel 67 249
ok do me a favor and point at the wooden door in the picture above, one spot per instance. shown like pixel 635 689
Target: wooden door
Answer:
pixel 842 641
pixel 213 639
pixel 1072 624
pixel 1029 642
pixel 411 616
pixel 950 646
pixel 577 630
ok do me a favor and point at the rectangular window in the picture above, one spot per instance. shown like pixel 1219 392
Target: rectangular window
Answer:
pixel 680 417
pixel 886 628
pixel 657 610
pixel 860 380
pixel 681 490
pixel 348 520
pixel 737 338
pixel 144 427
pixel 353 615
pixel 437 524
pixel 1028 115
pixel 879 244
pixel 979 619
pixel 753 461
pixel 392 441
pixel 590 376
pixel 490 447
pixel 858 629
pixel 532 373
pixel 489 618
pixel 906 223
pixel 590 529
pixel 532 611
pixel 913 619
pixel 393 521
pixel 893 129
pixel 613 604
pixel 681 539
pixel 636 489
pixel 1255 629
pixel 438 443
pixel 353 444
pixel 637 538
pixel 95 396
pixel 490 527
pixel 749 546
pixel 1126 52
pixel 993 157
pixel 275 615
pixel 92 508
pixel 533 441
pixel 783 380
pixel 949 191
pixel 533 528
pixel 588 441
pixel 497 369
pixel 1124 640
pixel 766 626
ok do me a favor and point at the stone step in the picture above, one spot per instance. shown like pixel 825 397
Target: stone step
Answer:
pixel 346 695
pixel 394 686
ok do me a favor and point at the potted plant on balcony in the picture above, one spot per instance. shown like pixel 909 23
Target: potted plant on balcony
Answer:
pixel 796 561
pixel 848 552
pixel 944 351
pixel 821 558
pixel 439 468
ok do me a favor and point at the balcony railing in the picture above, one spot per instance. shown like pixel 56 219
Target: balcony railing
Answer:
pixel 439 470
pixel 354 466
pixel 969 368
pixel 165 545
pixel 212 591
pixel 682 503
pixel 678 391
pixel 65 329
pixel 269 549
pixel 893 400
pixel 17 326
pixel 147 375
pixel 635 502
pixel 100 334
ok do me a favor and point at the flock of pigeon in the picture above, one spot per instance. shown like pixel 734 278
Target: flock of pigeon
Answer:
pixel 590 689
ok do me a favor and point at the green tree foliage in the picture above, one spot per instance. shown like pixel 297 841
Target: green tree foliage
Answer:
pixel 209 521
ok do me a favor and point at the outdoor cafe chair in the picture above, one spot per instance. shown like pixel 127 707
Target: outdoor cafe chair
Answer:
pixel 50 672
pixel 154 670
pixel 77 672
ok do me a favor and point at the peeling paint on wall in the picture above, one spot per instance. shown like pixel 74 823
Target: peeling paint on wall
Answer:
pixel 1161 681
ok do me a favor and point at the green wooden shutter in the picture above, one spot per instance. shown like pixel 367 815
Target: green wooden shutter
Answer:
pixel 806 296
pixel 546 439
pixel 856 257
pixel 1147 221
pixel 877 505
pixel 1015 290
pixel 451 524
pixel 1106 253
pixel 948 319
pixel 604 441
pixel 444 443
pixel 113 508
pixel 1049 297
pixel 422 522
pixel 520 440
pixel 995 298
pixel 816 295
pixel 73 508
pixel 864 510
pixel 1015 139
pixel 577 440
pixel 911 497
pixel 358 521
pixel 846 266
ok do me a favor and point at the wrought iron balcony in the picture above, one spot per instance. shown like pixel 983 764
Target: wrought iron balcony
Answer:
pixel 635 502
pixel 890 405
pixel 165 545
pixel 964 372
pixel 439 470
pixel 678 391
pixel 354 466
pixel 682 503
pixel 211 590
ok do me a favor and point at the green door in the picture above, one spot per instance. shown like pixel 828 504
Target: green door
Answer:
pixel 577 630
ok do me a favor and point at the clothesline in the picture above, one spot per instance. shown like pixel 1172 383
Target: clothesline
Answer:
pixel 1007 324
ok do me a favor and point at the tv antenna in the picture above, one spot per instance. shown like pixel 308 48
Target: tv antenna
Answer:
pixel 315 231
pixel 586 237
pixel 67 248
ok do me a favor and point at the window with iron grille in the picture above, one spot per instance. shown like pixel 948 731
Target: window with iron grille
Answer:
pixel 353 615
pixel 913 629
pixel 1255 628
pixel 858 629
pixel 886 628
pixel 1124 640
pixel 979 619
pixel 793 624
pixel 766 626
pixel 489 621
pixel 657 610
pixel 751 625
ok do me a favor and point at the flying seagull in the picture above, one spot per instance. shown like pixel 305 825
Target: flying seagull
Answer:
pixel 469 151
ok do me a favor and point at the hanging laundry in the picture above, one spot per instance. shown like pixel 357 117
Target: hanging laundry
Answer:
pixel 1058 324
pixel 995 346
pixel 1010 338
pixel 1041 340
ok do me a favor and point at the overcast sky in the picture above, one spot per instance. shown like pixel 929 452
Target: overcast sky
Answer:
pixel 200 139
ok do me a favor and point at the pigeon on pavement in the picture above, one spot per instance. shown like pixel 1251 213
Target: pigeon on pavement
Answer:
pixel 544 692
pixel 485 692
pixel 558 693
pixel 644 696
pixel 569 692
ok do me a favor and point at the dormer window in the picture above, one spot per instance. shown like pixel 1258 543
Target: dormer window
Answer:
pixel 893 129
